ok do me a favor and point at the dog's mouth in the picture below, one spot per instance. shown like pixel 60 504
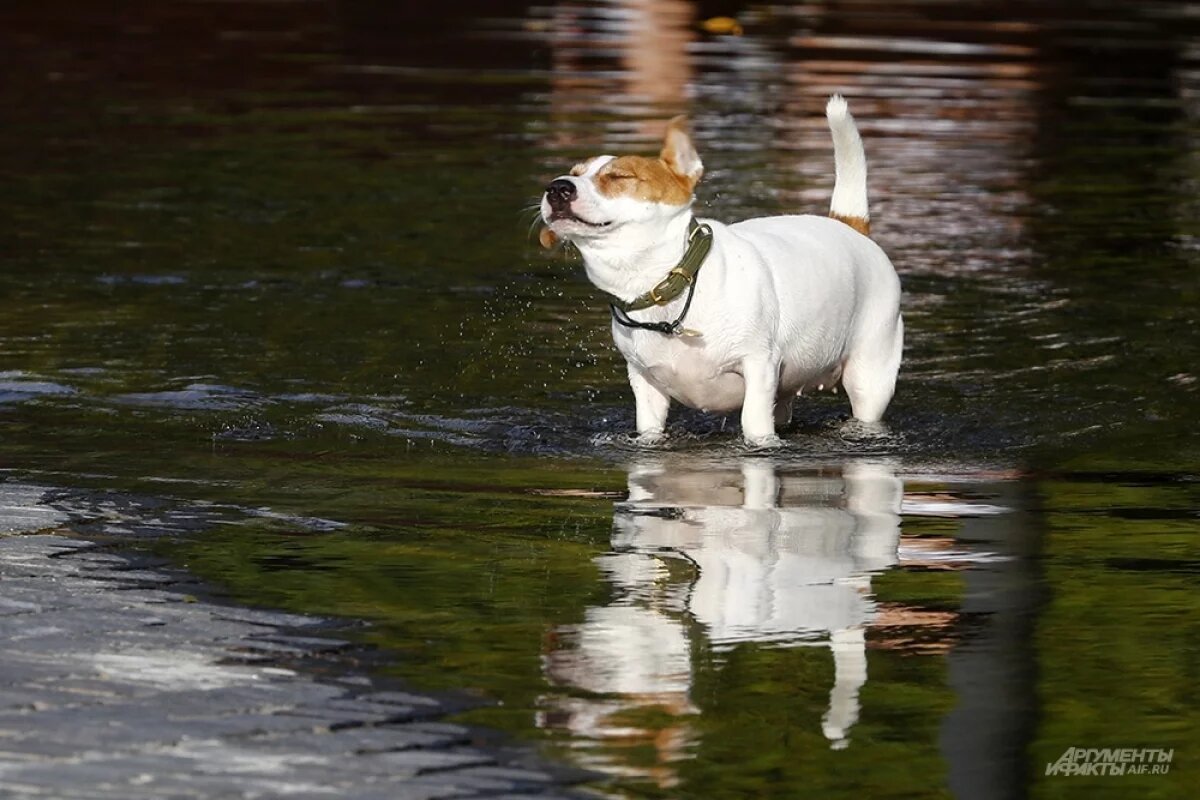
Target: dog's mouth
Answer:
pixel 560 214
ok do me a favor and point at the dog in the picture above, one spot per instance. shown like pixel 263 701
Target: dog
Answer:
pixel 749 315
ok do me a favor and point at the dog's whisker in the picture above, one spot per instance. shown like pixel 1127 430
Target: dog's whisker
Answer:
pixel 535 219
pixel 533 212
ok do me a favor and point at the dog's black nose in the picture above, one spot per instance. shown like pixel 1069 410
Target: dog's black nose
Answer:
pixel 560 193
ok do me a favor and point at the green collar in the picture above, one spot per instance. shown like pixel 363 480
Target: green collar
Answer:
pixel 681 277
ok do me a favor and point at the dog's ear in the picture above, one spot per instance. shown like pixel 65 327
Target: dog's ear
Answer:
pixel 547 239
pixel 679 153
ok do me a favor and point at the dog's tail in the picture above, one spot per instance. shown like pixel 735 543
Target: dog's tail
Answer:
pixel 849 203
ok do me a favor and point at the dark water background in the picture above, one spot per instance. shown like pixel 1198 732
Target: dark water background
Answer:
pixel 267 277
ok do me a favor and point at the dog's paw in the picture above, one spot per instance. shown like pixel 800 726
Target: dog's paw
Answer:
pixel 650 439
pixel 769 442
pixel 856 430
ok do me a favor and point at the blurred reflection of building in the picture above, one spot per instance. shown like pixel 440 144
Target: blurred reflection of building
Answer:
pixel 618 69
pixel 944 95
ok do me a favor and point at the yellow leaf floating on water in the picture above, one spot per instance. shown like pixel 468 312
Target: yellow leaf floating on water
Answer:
pixel 722 25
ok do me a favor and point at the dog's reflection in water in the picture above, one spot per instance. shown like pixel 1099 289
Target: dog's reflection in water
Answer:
pixel 742 554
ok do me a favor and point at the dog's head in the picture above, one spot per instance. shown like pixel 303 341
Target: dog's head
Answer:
pixel 612 198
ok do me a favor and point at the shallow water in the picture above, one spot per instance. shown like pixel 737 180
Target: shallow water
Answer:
pixel 271 295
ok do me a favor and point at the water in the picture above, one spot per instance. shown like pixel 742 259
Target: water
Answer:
pixel 271 302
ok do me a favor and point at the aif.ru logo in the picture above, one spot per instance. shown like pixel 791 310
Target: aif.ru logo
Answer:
pixel 1112 761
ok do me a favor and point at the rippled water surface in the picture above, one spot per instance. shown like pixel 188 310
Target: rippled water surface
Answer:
pixel 271 288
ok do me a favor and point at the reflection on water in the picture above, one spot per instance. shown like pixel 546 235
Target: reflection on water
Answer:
pixel 709 557
pixel 649 41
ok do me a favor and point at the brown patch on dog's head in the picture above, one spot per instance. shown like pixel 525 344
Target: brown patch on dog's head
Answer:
pixel 668 179
pixel 646 179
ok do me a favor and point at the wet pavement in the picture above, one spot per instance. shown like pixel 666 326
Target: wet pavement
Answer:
pixel 117 680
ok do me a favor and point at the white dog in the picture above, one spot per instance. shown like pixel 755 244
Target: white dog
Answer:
pixel 747 315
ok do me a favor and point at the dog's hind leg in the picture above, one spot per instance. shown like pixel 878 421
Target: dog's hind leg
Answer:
pixel 870 372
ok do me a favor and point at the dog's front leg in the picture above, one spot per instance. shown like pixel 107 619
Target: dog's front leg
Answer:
pixel 761 375
pixel 652 405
